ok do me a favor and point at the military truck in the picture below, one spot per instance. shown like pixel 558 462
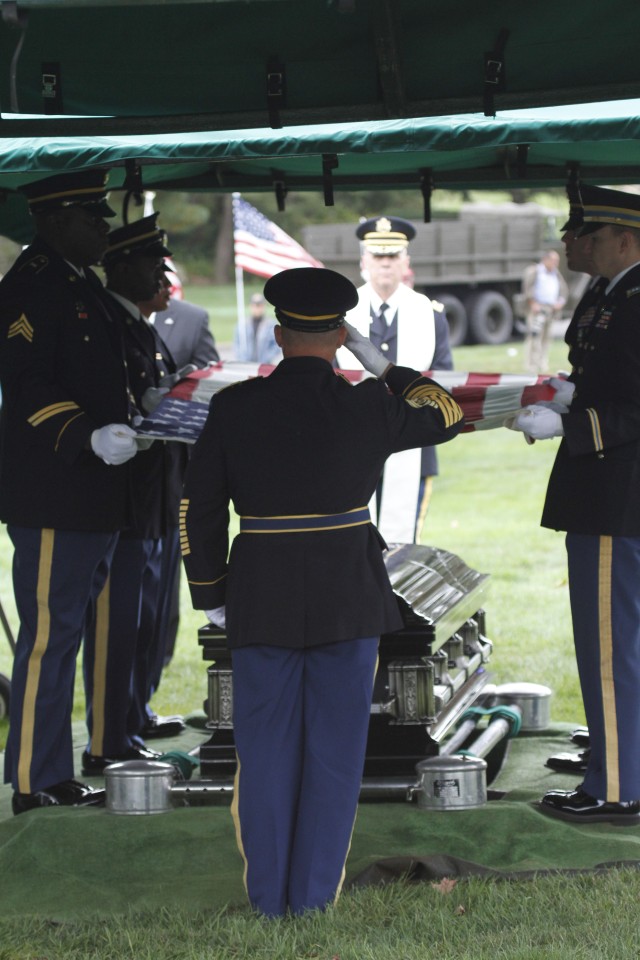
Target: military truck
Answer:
pixel 473 264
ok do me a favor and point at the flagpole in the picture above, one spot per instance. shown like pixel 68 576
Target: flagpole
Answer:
pixel 240 308
pixel 242 324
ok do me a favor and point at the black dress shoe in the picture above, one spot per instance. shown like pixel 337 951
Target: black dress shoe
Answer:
pixel 69 793
pixel 162 727
pixel 92 764
pixel 579 807
pixel 569 762
pixel 580 737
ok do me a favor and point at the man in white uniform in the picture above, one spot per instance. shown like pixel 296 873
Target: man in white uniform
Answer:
pixel 410 329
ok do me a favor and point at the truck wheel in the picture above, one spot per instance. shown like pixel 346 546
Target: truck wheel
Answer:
pixel 490 317
pixel 456 318
pixel 5 692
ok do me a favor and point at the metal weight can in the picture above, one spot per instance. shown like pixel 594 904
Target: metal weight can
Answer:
pixel 451 783
pixel 138 787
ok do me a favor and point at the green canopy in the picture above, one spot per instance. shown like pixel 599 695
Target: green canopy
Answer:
pixel 598 142
pixel 132 66
pixel 256 95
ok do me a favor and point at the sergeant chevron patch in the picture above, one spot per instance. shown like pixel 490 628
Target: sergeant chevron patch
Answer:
pixel 427 394
pixel 53 410
pixel 185 548
pixel 21 328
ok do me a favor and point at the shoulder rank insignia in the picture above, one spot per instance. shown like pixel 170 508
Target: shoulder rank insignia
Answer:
pixel 37 263
pixel 21 328
pixel 423 394
pixel 437 305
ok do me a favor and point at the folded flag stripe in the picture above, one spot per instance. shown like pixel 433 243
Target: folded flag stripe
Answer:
pixel 487 399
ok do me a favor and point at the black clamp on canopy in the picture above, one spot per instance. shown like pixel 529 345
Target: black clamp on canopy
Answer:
pixel 426 188
pixel 280 189
pixel 329 163
pixel 276 91
pixel 522 156
pixel 132 186
pixel 495 76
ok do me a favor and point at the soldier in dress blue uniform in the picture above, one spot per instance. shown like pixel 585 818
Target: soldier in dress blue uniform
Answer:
pixel 64 476
pixel 594 495
pixel 120 633
pixel 305 594
pixel 577 247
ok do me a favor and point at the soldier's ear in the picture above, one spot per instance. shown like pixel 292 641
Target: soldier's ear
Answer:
pixel 277 332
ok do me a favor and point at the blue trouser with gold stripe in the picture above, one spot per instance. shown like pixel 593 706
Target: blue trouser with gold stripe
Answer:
pixel 301 718
pixel 56 575
pixel 604 586
pixel 118 641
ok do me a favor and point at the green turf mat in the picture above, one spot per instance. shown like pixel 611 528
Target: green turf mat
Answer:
pixel 61 862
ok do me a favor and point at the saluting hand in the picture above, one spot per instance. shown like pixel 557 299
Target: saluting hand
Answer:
pixel 363 350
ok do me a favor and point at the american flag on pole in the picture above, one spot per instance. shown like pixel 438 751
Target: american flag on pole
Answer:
pixel 487 399
pixel 261 247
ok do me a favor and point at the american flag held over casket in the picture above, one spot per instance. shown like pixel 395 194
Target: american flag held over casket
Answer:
pixel 487 399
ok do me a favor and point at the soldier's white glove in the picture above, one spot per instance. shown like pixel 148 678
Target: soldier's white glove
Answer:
pixel 153 397
pixel 217 617
pixel 564 390
pixel 115 443
pixel 363 350
pixel 538 422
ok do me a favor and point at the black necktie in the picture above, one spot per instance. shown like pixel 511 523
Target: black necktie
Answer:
pixel 381 312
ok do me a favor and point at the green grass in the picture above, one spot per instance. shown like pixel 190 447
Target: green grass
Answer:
pixel 486 508
pixel 591 917
pixel 220 301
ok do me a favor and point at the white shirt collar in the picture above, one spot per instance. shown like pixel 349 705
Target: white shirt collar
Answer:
pixel 393 301
pixel 127 304
pixel 78 270
pixel 619 277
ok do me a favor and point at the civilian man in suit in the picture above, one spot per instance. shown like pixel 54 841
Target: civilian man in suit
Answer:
pixel 593 496
pixel 184 327
pixel 305 593
pixel 64 475
pixel 409 329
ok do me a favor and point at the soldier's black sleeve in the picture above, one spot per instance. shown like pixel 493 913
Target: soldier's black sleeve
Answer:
pixel 428 414
pixel 204 516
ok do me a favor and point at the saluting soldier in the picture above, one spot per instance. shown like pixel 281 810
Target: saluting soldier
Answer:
pixel 305 594
pixel 409 329
pixel 594 495
pixel 120 635
pixel 64 480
